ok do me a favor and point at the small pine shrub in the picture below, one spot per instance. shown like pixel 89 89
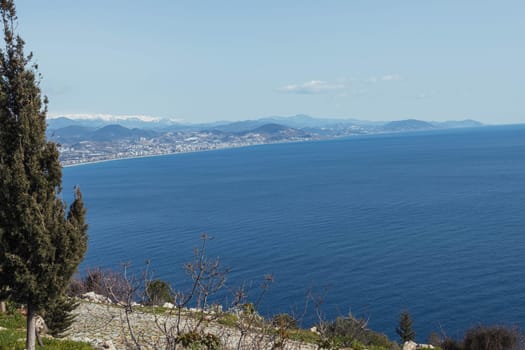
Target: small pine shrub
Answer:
pixel 58 316
pixel 404 330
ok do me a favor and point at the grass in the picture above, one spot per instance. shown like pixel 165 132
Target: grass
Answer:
pixel 228 319
pixel 304 335
pixel 13 338
pixel 13 321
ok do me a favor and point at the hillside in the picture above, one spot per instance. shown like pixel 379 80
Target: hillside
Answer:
pixel 102 139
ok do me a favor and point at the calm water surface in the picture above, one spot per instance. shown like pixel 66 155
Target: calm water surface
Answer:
pixel 429 222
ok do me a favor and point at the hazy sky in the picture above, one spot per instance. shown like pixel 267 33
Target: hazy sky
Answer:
pixel 231 60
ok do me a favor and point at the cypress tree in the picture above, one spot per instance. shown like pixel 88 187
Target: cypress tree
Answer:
pixel 404 330
pixel 40 245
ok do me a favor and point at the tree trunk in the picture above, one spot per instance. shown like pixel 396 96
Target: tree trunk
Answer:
pixel 31 330
pixel 3 309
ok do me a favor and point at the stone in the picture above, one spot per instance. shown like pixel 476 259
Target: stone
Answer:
pixel 409 345
pixel 314 330
pixel 168 305
pixel 40 325
pixel 106 345
pixel 424 346
pixel 96 298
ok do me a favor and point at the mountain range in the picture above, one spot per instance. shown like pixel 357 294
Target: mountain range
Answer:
pixel 99 129
pixel 95 139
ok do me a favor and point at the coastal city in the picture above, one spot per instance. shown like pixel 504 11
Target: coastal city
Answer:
pixel 82 141
pixel 88 151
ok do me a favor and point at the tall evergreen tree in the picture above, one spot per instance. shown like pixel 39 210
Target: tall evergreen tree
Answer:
pixel 40 246
pixel 404 330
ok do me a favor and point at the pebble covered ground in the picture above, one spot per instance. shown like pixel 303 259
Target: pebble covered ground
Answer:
pixel 105 326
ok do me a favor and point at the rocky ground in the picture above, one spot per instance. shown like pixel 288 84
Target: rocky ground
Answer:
pixel 106 327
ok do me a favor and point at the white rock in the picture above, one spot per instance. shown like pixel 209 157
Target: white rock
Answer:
pixel 168 305
pixel 409 345
pixel 425 346
pixel 3 329
pixel 40 325
pixel 314 330
pixel 106 345
pixel 96 298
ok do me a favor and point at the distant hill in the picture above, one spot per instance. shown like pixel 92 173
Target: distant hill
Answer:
pixel 132 122
pixel 276 132
pixel 407 125
pixel 70 134
pixel 299 121
pixel 67 131
pixel 467 123
pixel 75 133
pixel 240 126
pixel 61 122
pixel 271 128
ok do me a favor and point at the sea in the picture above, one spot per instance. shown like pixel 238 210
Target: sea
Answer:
pixel 428 222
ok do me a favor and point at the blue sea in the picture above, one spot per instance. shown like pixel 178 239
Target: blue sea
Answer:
pixel 429 222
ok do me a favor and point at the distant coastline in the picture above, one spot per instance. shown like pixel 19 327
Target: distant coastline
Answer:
pixel 82 142
pixel 89 162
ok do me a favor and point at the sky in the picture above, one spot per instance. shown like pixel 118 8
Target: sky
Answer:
pixel 202 61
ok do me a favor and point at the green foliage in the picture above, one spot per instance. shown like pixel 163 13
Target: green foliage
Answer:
pixel 490 338
pixel 487 338
pixel 198 341
pixel 12 307
pixel 40 246
pixel 58 315
pixel 53 344
pixel 284 321
pixel 158 292
pixel 12 320
pixel 404 330
pixel 248 309
pixel 451 344
pixel 352 332
pixel 228 319
pixel 304 335
pixel 13 338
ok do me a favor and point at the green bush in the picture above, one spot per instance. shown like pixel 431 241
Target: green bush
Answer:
pixel 491 338
pixel 248 309
pixel 284 321
pixel 486 338
pixel 58 316
pixel 197 341
pixel 451 344
pixel 350 331
pixel 228 319
pixel 158 292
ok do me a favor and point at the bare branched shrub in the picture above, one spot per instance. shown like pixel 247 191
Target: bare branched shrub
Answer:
pixel 491 338
pixel 192 318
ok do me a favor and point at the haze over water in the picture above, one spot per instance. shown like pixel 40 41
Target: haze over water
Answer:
pixel 430 222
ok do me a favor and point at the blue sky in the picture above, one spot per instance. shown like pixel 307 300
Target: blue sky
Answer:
pixel 235 60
